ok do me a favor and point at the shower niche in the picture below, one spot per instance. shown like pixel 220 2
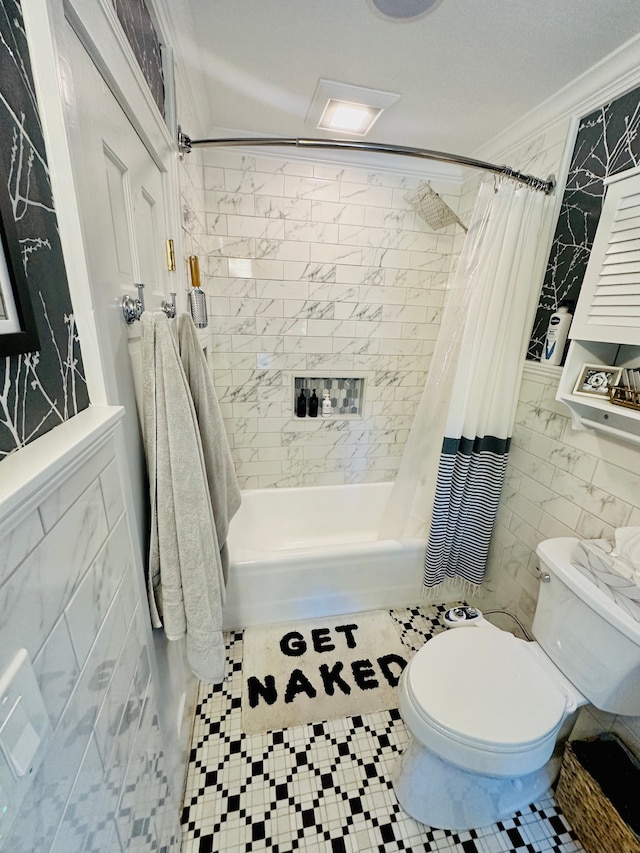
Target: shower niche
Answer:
pixel 345 393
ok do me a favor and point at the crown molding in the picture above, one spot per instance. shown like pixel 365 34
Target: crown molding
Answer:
pixel 613 76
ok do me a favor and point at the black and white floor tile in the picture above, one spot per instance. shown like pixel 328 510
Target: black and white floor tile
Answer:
pixel 326 787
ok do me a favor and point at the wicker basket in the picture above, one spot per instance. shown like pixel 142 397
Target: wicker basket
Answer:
pixel 591 814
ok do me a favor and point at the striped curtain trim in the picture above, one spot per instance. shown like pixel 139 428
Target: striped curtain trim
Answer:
pixel 470 479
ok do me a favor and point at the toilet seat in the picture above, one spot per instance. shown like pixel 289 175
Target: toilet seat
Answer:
pixel 479 699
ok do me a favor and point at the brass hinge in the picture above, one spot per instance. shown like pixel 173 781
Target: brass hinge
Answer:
pixel 171 256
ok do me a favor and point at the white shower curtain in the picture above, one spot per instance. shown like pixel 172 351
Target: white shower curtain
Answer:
pixel 452 468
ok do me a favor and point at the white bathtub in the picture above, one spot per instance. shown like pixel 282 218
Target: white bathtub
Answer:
pixel 306 552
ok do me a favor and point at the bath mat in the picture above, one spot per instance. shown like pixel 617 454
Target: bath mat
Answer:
pixel 320 669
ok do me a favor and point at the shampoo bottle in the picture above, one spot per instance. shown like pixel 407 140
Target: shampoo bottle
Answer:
pixel 557 333
pixel 301 405
pixel 313 405
pixel 326 404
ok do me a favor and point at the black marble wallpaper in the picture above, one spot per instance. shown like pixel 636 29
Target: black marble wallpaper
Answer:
pixel 141 35
pixel 39 390
pixel 607 142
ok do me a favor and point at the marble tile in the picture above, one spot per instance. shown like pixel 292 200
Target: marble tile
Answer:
pixel 257 183
pixel 34 596
pixel 371 196
pixel 255 268
pixel 240 204
pixel 316 272
pixel 315 189
pixel 594 500
pixel 624 483
pixel 91 601
pixel 57 670
pixel 112 493
pixel 268 289
pixel 311 232
pixel 563 456
pixel 254 226
pixel 338 213
pixel 330 253
pixel 113 705
pixel 53 507
pixel 18 542
pixel 82 810
pixel 589 526
pixel 276 207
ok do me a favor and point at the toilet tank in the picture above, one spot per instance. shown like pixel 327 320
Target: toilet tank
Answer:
pixel 589 637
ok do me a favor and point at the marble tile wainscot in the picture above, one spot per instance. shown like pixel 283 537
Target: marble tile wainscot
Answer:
pixel 319 270
pixel 69 595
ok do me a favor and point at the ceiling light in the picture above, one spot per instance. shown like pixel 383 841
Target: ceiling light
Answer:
pixel 404 10
pixel 344 108
pixel 348 117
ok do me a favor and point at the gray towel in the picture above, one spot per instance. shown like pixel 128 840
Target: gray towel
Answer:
pixel 186 584
pixel 221 473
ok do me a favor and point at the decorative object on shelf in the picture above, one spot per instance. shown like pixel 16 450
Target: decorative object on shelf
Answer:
pixel 596 379
pixel 627 392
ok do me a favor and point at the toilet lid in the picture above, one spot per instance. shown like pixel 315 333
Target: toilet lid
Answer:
pixel 482 687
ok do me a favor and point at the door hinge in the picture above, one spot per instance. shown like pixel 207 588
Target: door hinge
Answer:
pixel 171 256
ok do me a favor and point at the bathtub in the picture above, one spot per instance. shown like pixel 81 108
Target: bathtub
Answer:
pixel 313 551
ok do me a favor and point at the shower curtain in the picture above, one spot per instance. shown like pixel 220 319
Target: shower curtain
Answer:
pixel 452 469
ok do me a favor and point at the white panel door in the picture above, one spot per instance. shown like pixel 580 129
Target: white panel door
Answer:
pixel 121 193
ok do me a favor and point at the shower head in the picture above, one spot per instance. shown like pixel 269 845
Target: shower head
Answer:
pixel 433 209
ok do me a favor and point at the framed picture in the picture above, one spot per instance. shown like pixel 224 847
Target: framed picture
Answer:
pixel 18 331
pixel 596 379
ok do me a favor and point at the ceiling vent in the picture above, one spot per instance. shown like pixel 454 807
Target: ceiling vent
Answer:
pixel 345 108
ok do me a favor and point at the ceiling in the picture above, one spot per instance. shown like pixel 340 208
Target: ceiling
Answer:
pixel 465 72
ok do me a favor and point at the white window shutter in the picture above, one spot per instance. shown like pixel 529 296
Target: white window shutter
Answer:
pixel 609 305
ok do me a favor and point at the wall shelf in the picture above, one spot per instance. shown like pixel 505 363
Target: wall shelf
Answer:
pixel 606 326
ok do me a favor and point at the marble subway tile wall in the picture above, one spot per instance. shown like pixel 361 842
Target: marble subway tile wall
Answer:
pixel 68 596
pixel 560 482
pixel 320 269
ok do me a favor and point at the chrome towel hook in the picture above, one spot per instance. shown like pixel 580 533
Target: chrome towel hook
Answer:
pixel 169 308
pixel 132 308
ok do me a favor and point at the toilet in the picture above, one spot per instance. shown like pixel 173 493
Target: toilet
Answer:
pixel 488 714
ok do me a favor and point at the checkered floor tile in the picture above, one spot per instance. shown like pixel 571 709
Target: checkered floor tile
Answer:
pixel 326 787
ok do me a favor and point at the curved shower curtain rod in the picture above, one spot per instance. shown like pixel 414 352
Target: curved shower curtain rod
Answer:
pixel 185 144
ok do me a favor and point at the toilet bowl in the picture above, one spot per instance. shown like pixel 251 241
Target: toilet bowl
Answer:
pixel 488 714
pixel 485 711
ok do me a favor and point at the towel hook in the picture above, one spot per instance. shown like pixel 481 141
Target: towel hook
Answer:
pixel 132 308
pixel 169 308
